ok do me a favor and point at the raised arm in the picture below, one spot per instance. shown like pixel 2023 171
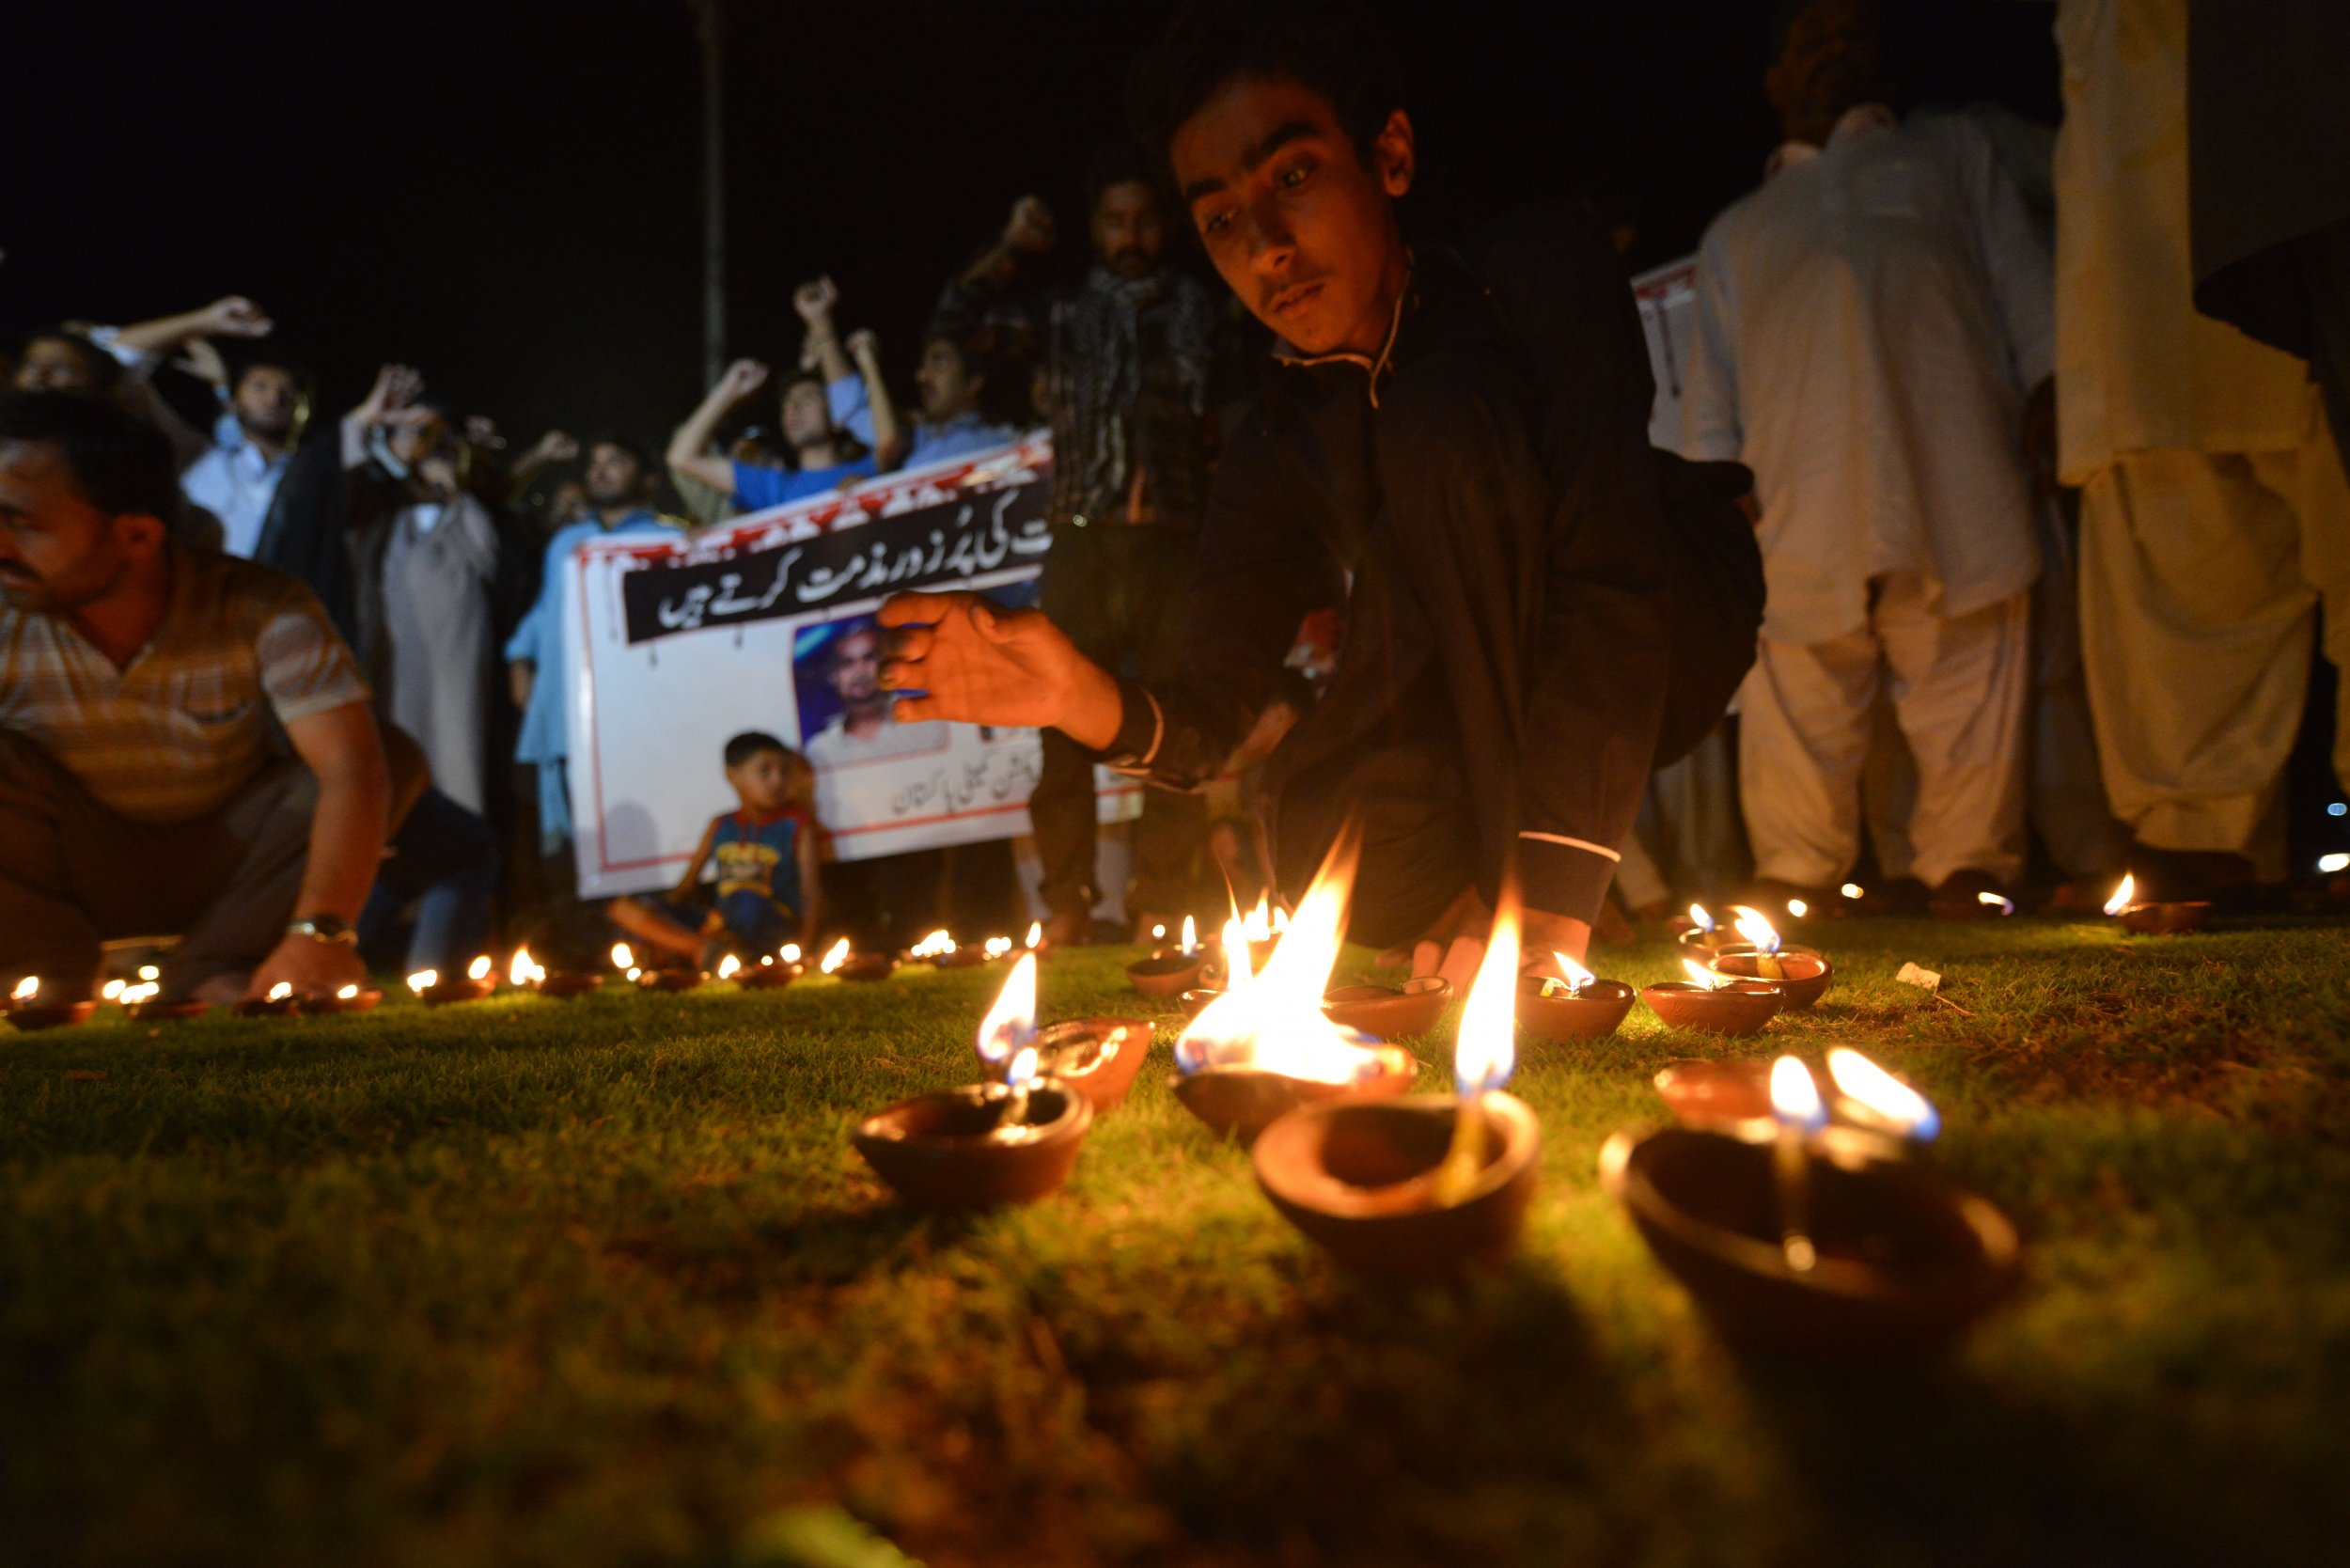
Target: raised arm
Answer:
pixel 820 345
pixel 888 436
pixel 689 455
pixel 233 316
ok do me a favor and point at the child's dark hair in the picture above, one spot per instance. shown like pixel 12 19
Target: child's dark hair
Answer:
pixel 1329 48
pixel 749 744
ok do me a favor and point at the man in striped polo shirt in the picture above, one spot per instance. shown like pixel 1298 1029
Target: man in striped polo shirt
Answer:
pixel 186 745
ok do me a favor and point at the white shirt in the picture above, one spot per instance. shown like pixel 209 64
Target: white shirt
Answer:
pixel 2142 369
pixel 1867 325
pixel 235 484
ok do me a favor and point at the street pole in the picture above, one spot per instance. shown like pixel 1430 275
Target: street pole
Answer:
pixel 713 191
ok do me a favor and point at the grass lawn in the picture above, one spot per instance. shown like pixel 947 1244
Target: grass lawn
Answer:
pixel 603 1282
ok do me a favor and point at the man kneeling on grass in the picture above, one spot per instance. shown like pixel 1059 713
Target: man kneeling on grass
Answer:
pixel 148 697
pixel 1458 441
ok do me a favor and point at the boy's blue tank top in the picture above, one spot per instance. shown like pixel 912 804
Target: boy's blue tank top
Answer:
pixel 756 857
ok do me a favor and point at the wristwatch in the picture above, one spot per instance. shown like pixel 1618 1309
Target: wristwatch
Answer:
pixel 324 928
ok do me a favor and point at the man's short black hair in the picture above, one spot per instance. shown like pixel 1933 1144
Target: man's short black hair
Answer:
pixel 1328 48
pixel 266 358
pixel 1118 161
pixel 121 464
pixel 749 744
pixel 1003 398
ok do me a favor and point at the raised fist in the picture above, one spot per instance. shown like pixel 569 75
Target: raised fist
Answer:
pixel 235 316
pixel 742 377
pixel 815 301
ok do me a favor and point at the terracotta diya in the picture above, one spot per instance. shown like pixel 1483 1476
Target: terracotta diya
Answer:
pixel 280 1003
pixel 1008 1140
pixel 1418 1189
pixel 668 979
pixel 1389 1012
pixel 772 974
pixel 1903 1260
pixel 1581 1007
pixel 1706 932
pixel 351 999
pixel 1096 1056
pixel 1195 1002
pixel 476 983
pixel 1804 975
pixel 1172 971
pixel 27 1011
pixel 2156 919
pixel 938 951
pixel 1729 1096
pixel 1713 1003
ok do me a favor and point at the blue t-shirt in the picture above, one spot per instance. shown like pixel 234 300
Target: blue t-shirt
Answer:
pixel 757 486
pixel 758 857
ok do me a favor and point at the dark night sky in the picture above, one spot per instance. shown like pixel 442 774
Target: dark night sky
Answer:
pixel 506 192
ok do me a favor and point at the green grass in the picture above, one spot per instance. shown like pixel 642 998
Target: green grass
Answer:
pixel 603 1282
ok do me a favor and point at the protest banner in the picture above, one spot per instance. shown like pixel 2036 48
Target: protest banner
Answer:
pixel 1667 299
pixel 765 622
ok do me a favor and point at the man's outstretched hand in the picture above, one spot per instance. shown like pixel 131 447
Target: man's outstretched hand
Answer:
pixel 976 661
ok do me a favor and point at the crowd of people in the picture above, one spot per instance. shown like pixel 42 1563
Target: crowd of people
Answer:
pixel 2004 560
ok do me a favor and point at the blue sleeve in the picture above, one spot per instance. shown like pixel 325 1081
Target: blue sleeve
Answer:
pixel 852 410
pixel 757 485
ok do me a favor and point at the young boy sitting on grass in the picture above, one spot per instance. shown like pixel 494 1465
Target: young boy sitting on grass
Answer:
pixel 768 892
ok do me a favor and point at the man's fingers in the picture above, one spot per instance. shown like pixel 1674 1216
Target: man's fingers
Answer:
pixel 918 609
pixel 916 710
pixel 1460 961
pixel 910 644
pixel 1427 960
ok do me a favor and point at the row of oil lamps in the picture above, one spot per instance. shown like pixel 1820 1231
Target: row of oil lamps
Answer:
pixel 1800 1221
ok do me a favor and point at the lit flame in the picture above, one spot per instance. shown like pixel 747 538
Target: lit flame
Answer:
pixel 1755 929
pixel 1853 890
pixel 347 993
pixel 1191 937
pixel 478 969
pixel 2005 906
pixel 836 958
pixel 1578 978
pixel 1274 1021
pixel 1794 1098
pixel 936 945
pixel 1706 978
pixel 1158 933
pixel 632 973
pixel 1799 908
pixel 1036 935
pixel 790 953
pixel 997 947
pixel 27 988
pixel 145 990
pixel 1258 923
pixel 148 972
pixel 112 991
pixel 2123 896
pixel 1699 917
pixel 424 981
pixel 623 956
pixel 1488 1047
pixel 281 991
pixel 525 970
pixel 1007 1033
pixel 728 966
pixel 1280 922
pixel 1883 1096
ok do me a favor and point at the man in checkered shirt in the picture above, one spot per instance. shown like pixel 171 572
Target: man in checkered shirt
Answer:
pixel 186 745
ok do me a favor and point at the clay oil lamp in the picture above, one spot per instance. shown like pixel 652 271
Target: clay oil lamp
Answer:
pixel 1580 1007
pixel 1171 971
pixel 1707 932
pixel 1011 1138
pixel 433 991
pixel 1389 1012
pixel 526 973
pixel 996 948
pixel 349 999
pixel 1793 1244
pixel 940 951
pixel 840 962
pixel 26 1010
pixel 1418 1188
pixel 1803 973
pixel 773 971
pixel 1725 1096
pixel 280 1002
pixel 1096 1056
pixel 1264 1046
pixel 140 1002
pixel 657 979
pixel 1714 1003
pixel 2155 919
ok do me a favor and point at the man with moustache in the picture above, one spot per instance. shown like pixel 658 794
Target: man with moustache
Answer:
pixel 1457 437
pixel 1134 361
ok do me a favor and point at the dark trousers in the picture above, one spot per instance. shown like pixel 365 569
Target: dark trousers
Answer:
pixel 1122 594
pixel 75 873
pixel 445 859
